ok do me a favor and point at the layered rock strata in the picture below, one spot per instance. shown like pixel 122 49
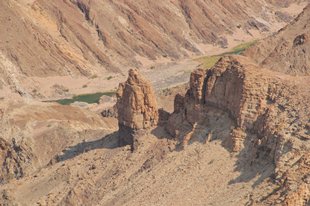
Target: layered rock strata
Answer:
pixel 137 107
pixel 233 86
pixel 270 116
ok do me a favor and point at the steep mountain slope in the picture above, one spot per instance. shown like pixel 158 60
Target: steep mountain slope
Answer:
pixel 78 37
pixel 238 135
pixel 288 50
pixel 246 132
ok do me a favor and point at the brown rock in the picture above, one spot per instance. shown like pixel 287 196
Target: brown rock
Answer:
pixel 110 112
pixel 196 90
pixel 194 98
pixel 178 103
pixel 237 136
pixel 136 105
pixel 300 39
pixel 14 158
pixel 163 117
pixel 228 86
pixel 270 111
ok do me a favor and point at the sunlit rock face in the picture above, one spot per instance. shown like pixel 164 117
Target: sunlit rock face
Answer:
pixel 137 107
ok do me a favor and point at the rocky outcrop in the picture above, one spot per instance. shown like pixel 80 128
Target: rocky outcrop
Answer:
pixel 297 182
pixel 229 87
pixel 14 158
pixel 270 115
pixel 109 112
pixel 187 109
pixel 301 39
pixel 137 107
pixel 239 88
pixel 196 83
pixel 237 137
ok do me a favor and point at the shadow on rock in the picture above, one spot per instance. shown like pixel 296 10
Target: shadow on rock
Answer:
pixel 253 163
pixel 109 141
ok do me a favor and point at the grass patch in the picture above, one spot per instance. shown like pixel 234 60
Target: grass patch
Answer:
pixel 88 98
pixel 210 61
pixel 242 47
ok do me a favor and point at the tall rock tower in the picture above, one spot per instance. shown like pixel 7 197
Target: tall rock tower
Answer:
pixel 137 108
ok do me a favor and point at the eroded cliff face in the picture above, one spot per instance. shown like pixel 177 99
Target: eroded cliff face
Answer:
pixel 137 107
pixel 269 113
pixel 226 87
pixel 252 126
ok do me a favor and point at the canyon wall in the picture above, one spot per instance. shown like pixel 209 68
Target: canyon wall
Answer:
pixel 269 111
pixel 79 37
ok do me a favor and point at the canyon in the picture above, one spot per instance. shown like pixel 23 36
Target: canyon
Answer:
pixel 173 132
pixel 67 43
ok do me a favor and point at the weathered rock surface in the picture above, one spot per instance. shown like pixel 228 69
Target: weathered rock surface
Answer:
pixel 110 112
pixel 196 82
pixel 234 85
pixel 260 115
pixel 33 133
pixel 136 105
pixel 270 165
pixel 237 137
pixel 14 158
pixel 78 38
pixel 269 111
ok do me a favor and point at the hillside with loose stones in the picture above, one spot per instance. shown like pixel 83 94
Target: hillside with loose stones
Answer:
pixel 154 103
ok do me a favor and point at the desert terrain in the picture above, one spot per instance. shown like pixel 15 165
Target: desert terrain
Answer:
pixel 75 46
pixel 155 102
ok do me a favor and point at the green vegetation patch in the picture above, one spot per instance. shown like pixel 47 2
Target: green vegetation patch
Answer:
pixel 88 98
pixel 210 61
pixel 242 47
